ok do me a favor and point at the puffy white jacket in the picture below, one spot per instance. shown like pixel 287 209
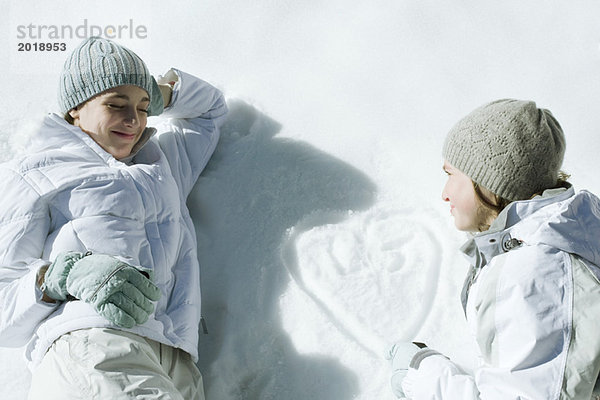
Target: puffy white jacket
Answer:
pixel 532 304
pixel 68 194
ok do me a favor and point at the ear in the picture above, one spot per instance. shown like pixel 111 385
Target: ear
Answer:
pixel 72 116
pixel 74 113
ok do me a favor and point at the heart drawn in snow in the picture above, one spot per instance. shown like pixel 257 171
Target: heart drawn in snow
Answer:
pixel 373 274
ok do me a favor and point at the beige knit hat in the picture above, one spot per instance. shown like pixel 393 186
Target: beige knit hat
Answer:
pixel 509 147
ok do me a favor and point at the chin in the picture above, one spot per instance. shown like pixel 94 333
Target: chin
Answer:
pixel 120 155
pixel 465 227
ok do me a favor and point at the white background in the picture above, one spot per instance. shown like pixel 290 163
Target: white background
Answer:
pixel 321 230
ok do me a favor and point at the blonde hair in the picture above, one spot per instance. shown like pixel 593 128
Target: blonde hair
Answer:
pixel 491 205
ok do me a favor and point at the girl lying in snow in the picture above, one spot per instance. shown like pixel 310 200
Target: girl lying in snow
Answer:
pixel 532 296
pixel 98 268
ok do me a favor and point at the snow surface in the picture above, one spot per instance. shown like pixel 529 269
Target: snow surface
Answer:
pixel 321 231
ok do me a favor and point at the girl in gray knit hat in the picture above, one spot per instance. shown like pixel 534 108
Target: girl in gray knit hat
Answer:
pixel 99 276
pixel 532 295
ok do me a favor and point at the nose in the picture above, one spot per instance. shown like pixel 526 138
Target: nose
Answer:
pixel 445 193
pixel 132 118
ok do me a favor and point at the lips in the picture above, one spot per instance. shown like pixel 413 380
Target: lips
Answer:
pixel 124 135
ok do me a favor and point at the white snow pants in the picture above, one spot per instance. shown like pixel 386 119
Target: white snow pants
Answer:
pixel 105 364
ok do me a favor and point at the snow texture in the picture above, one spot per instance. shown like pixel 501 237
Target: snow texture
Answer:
pixel 321 232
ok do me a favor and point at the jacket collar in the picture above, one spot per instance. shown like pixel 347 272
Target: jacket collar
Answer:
pixel 503 235
pixel 500 238
pixel 54 127
pixel 146 136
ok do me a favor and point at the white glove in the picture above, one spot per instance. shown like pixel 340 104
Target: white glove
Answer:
pixel 400 356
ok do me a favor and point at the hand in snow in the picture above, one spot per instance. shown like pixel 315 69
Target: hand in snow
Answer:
pixel 166 91
pixel 165 84
pixel 400 355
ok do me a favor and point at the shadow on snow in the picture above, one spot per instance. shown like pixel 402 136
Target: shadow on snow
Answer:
pixel 254 189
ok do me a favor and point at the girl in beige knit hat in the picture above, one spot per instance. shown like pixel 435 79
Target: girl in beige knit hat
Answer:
pixel 532 295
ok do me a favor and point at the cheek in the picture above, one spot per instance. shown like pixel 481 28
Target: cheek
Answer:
pixel 90 120
pixel 465 198
pixel 143 121
pixel 470 202
pixel 84 120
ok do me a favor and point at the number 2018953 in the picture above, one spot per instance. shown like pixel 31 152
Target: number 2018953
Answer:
pixel 41 46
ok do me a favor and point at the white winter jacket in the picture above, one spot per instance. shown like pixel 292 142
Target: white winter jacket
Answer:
pixel 68 194
pixel 532 304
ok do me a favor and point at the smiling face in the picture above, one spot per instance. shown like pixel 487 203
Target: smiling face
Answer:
pixel 115 118
pixel 465 207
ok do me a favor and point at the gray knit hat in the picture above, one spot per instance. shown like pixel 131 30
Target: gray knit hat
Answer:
pixel 509 147
pixel 99 64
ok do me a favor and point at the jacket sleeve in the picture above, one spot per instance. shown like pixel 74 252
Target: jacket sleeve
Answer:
pixel 24 225
pixel 189 131
pixel 520 312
